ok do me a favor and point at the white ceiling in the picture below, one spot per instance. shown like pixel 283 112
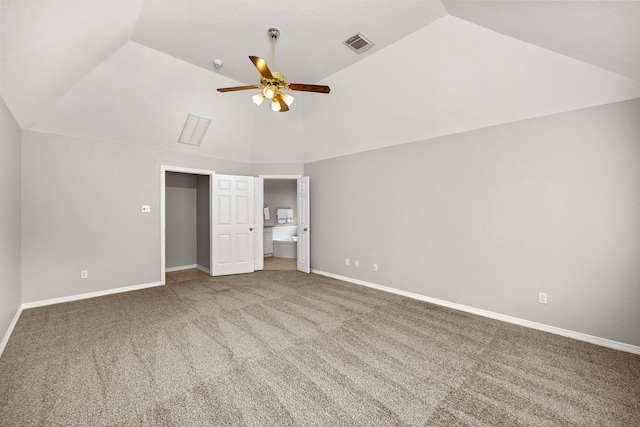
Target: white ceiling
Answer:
pixel 131 70
pixel 310 47
pixel 602 33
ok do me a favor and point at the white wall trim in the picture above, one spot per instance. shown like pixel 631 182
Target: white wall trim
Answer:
pixel 186 267
pixel 280 176
pixel 490 314
pixel 7 335
pixel 89 295
pixel 203 268
pixel 181 267
pixel 181 169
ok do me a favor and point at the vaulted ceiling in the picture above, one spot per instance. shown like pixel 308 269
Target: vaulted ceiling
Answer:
pixel 130 71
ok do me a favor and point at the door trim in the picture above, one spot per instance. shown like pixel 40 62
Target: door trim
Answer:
pixel 296 178
pixel 180 169
pixel 280 176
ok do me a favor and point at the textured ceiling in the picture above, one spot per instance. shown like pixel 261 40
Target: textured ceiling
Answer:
pixel 130 71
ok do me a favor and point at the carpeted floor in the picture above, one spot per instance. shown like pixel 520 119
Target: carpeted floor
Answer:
pixel 282 348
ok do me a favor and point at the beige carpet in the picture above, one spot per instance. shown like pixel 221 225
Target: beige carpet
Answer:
pixel 282 348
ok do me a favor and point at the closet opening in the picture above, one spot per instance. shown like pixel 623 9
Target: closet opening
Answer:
pixel 185 213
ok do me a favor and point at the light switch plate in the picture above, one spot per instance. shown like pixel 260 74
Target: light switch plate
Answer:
pixel 146 208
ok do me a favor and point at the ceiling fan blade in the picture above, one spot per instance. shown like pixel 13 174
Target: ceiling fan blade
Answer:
pixel 261 65
pixel 309 88
pixel 283 105
pixel 231 89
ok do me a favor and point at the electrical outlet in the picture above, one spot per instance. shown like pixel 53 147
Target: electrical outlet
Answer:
pixel 542 297
pixel 375 267
pixel 346 261
pixel 355 263
pixel 146 208
pixel 84 274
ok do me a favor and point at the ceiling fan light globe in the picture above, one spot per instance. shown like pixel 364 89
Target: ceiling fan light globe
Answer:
pixel 268 92
pixel 288 99
pixel 258 98
pixel 275 105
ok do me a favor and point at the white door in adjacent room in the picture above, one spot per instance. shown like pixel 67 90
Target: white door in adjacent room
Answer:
pixel 232 225
pixel 258 223
pixel 304 227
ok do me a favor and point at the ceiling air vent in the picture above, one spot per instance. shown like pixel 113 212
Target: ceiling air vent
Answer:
pixel 358 42
pixel 194 129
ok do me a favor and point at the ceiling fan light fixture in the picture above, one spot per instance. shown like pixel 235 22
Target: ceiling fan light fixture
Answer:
pixel 275 105
pixel 258 98
pixel 288 99
pixel 268 92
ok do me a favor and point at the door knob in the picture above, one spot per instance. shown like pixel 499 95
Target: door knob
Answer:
pixel 306 229
pixel 250 228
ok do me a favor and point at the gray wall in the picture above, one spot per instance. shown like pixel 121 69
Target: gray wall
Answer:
pixel 491 217
pixel 203 206
pixel 180 220
pixel 81 209
pixel 10 258
pixel 280 193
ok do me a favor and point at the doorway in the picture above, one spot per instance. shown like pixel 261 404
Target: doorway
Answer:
pixel 281 220
pixel 216 203
pixel 185 217
pixel 279 264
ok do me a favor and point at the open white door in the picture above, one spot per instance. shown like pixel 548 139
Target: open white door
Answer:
pixel 258 223
pixel 304 227
pixel 232 230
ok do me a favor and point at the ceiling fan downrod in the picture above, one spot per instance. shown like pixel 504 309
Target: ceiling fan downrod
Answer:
pixel 274 33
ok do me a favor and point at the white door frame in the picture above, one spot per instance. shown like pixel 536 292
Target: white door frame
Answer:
pixel 163 249
pixel 294 177
pixel 280 176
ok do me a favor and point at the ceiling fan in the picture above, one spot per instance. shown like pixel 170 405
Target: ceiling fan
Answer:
pixel 272 83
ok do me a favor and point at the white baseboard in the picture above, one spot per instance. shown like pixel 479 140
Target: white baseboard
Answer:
pixel 509 319
pixel 5 339
pixel 202 268
pixel 89 295
pixel 180 267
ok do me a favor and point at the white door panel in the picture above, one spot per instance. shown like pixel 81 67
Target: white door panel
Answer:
pixel 232 225
pixel 304 228
pixel 224 249
pixel 258 223
pixel 224 209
